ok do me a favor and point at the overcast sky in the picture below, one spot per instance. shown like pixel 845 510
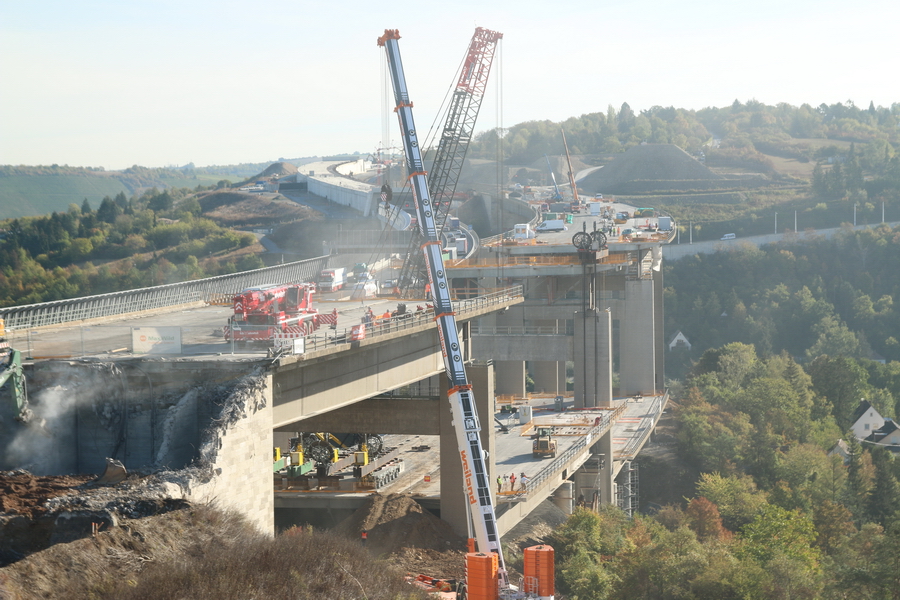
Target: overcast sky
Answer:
pixel 167 82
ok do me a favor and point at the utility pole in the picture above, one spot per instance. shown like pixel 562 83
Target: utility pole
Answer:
pixel 776 222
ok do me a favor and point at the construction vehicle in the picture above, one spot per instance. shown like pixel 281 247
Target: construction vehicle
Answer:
pixel 322 447
pixel 544 444
pixel 12 382
pixel 360 272
pixel 557 195
pixel 331 280
pixel 576 201
pixel 261 312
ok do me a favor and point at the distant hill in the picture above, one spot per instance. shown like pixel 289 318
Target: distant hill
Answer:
pixel 33 195
pixel 39 190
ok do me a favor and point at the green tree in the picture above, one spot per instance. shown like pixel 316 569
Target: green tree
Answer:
pixel 860 479
pixel 736 497
pixel 778 532
pixel 884 500
pixel 842 381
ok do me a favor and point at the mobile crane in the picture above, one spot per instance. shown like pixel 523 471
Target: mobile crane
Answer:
pixel 576 201
pixel 460 394
pixel 557 194
pixel 459 129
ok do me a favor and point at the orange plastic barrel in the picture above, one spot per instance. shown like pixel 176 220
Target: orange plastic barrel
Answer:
pixel 481 576
pixel 539 570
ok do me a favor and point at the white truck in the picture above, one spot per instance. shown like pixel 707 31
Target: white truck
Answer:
pixel 523 231
pixel 551 225
pixel 331 280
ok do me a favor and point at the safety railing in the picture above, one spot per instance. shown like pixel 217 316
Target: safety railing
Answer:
pixel 566 329
pixel 593 434
pixel 162 296
pixel 382 326
pixel 646 425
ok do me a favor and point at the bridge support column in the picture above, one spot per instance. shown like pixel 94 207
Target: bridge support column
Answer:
pixel 561 377
pixel 593 359
pixel 595 478
pixel 511 377
pixel 637 348
pixel 454 509
pixel 546 376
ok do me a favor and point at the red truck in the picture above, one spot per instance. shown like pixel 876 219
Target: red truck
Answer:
pixel 261 312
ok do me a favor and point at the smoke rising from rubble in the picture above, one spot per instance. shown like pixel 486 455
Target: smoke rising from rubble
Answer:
pixel 114 416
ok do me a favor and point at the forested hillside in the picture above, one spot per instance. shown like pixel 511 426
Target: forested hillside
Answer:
pixel 780 362
pixel 781 337
pixel 822 296
pixel 41 190
pixel 158 237
pixel 739 135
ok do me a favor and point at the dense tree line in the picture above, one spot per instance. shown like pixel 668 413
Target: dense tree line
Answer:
pixel 773 516
pixel 151 239
pixel 740 135
pixel 782 338
pixel 820 296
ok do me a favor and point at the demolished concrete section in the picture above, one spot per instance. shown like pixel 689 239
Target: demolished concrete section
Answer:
pixel 209 443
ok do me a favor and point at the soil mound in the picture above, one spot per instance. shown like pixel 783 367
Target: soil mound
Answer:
pixel 667 164
pixel 24 494
pixel 237 209
pixel 278 169
pixel 408 535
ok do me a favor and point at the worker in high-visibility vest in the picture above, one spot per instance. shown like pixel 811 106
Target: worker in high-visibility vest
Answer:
pixel 365 536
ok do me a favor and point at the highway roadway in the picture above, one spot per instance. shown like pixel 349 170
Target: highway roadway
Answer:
pixel 201 331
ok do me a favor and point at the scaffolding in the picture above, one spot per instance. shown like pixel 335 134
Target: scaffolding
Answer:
pixel 627 488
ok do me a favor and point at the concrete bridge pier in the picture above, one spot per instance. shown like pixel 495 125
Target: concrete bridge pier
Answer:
pixel 596 475
pixel 593 358
pixel 510 377
pixel 637 355
pixel 546 376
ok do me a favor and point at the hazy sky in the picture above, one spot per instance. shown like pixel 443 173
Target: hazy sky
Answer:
pixel 167 82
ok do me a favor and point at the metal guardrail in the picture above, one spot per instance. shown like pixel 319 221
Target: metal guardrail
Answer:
pixel 655 411
pixel 523 330
pixel 416 318
pixel 592 435
pixel 162 296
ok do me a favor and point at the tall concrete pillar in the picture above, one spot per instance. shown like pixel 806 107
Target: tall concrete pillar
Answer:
pixel 593 359
pixel 596 476
pixel 561 377
pixel 637 339
pixel 546 376
pixel 454 507
pixel 510 377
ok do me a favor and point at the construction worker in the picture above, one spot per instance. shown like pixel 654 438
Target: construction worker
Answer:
pixel 512 482
pixel 365 536
pixel 523 481
pixel 499 484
